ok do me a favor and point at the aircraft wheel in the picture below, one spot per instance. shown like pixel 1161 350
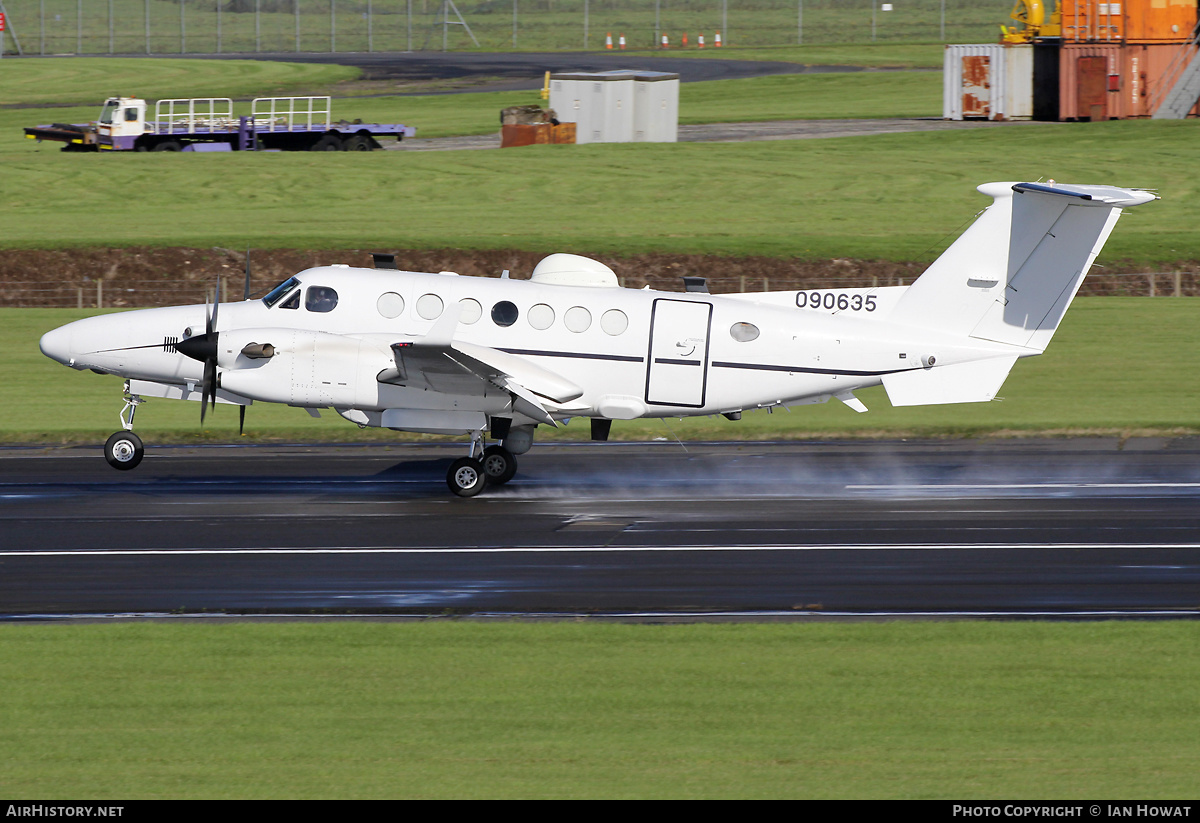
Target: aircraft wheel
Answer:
pixel 499 465
pixel 124 450
pixel 466 477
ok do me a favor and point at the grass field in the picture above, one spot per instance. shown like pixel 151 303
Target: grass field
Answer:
pixel 438 709
pixel 844 197
pixel 1105 373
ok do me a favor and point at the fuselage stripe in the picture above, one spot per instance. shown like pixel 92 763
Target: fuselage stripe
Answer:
pixel 805 369
pixel 580 355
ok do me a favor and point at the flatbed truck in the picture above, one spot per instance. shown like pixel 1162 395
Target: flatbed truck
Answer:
pixel 208 124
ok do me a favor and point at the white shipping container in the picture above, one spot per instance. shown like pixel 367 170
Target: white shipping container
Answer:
pixel 617 106
pixel 987 80
pixel 655 107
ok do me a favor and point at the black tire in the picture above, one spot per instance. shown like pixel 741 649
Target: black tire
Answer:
pixel 124 451
pixel 360 142
pixel 499 465
pixel 168 145
pixel 328 142
pixel 466 477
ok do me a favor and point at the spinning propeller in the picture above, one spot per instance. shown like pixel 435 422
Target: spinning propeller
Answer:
pixel 203 347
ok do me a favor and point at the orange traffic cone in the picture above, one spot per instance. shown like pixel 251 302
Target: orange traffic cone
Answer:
pixel 665 45
pixel 608 41
pixel 683 44
pixel 622 42
pixel 700 41
pixel 717 41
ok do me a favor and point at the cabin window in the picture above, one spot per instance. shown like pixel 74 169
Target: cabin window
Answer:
pixel 429 306
pixel 292 302
pixel 131 115
pixel 614 322
pixel 320 299
pixel 504 313
pixel 390 304
pixel 578 319
pixel 743 332
pixel 541 317
pixel 277 293
pixel 471 311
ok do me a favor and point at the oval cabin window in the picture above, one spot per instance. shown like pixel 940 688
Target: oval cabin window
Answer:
pixel 743 332
pixel 504 313
pixel 614 322
pixel 429 306
pixel 578 319
pixel 390 305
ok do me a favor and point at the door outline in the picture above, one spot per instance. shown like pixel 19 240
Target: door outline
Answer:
pixel 664 367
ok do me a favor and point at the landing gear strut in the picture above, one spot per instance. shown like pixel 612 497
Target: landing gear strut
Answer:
pixel 124 449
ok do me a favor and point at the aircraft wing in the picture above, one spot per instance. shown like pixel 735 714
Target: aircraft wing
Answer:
pixel 437 363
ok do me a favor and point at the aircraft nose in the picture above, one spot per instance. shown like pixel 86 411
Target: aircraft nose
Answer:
pixel 56 344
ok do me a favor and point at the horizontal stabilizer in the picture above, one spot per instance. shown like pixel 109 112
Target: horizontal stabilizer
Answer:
pixel 1011 276
pixel 974 382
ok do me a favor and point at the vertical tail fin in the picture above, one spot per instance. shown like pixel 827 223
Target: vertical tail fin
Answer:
pixel 1011 276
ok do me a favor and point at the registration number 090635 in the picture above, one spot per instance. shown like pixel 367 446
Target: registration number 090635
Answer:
pixel 832 300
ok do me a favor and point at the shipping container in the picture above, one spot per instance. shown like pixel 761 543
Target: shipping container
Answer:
pixel 1089 82
pixel 1118 81
pixel 1045 80
pixel 1136 21
pixel 618 106
pixel 1149 71
pixel 987 80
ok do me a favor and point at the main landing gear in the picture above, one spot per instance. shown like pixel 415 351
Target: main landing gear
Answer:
pixel 124 450
pixel 493 466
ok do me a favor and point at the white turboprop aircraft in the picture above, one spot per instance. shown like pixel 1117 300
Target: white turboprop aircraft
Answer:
pixel 458 355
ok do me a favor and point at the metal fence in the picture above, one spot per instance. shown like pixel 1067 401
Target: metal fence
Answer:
pixel 163 27
pixel 149 293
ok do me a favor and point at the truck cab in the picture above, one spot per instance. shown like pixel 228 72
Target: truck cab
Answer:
pixel 120 117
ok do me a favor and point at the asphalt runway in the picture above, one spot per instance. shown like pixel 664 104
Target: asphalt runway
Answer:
pixel 1067 528
pixel 519 71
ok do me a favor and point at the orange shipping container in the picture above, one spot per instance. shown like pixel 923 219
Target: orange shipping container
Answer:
pixel 1086 77
pixel 1148 72
pixel 1135 21
pixel 1105 82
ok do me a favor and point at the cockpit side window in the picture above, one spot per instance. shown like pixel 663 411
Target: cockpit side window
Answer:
pixel 292 302
pixel 320 299
pixel 276 294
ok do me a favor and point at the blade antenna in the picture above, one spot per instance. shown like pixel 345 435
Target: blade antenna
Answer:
pixel 246 292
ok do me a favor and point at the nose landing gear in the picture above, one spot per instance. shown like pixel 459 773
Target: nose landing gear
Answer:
pixel 124 449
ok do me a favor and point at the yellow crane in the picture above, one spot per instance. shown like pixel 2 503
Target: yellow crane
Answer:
pixel 1034 20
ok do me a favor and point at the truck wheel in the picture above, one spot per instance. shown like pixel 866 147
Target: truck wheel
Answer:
pixel 328 142
pixel 359 142
pixel 168 145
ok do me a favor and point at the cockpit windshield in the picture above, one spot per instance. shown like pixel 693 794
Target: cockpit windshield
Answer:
pixel 110 107
pixel 276 294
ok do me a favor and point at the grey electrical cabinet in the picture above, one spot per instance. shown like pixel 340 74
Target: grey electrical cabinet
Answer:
pixel 655 107
pixel 617 106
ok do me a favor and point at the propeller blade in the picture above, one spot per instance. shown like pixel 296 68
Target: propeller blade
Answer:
pixel 208 388
pixel 241 421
